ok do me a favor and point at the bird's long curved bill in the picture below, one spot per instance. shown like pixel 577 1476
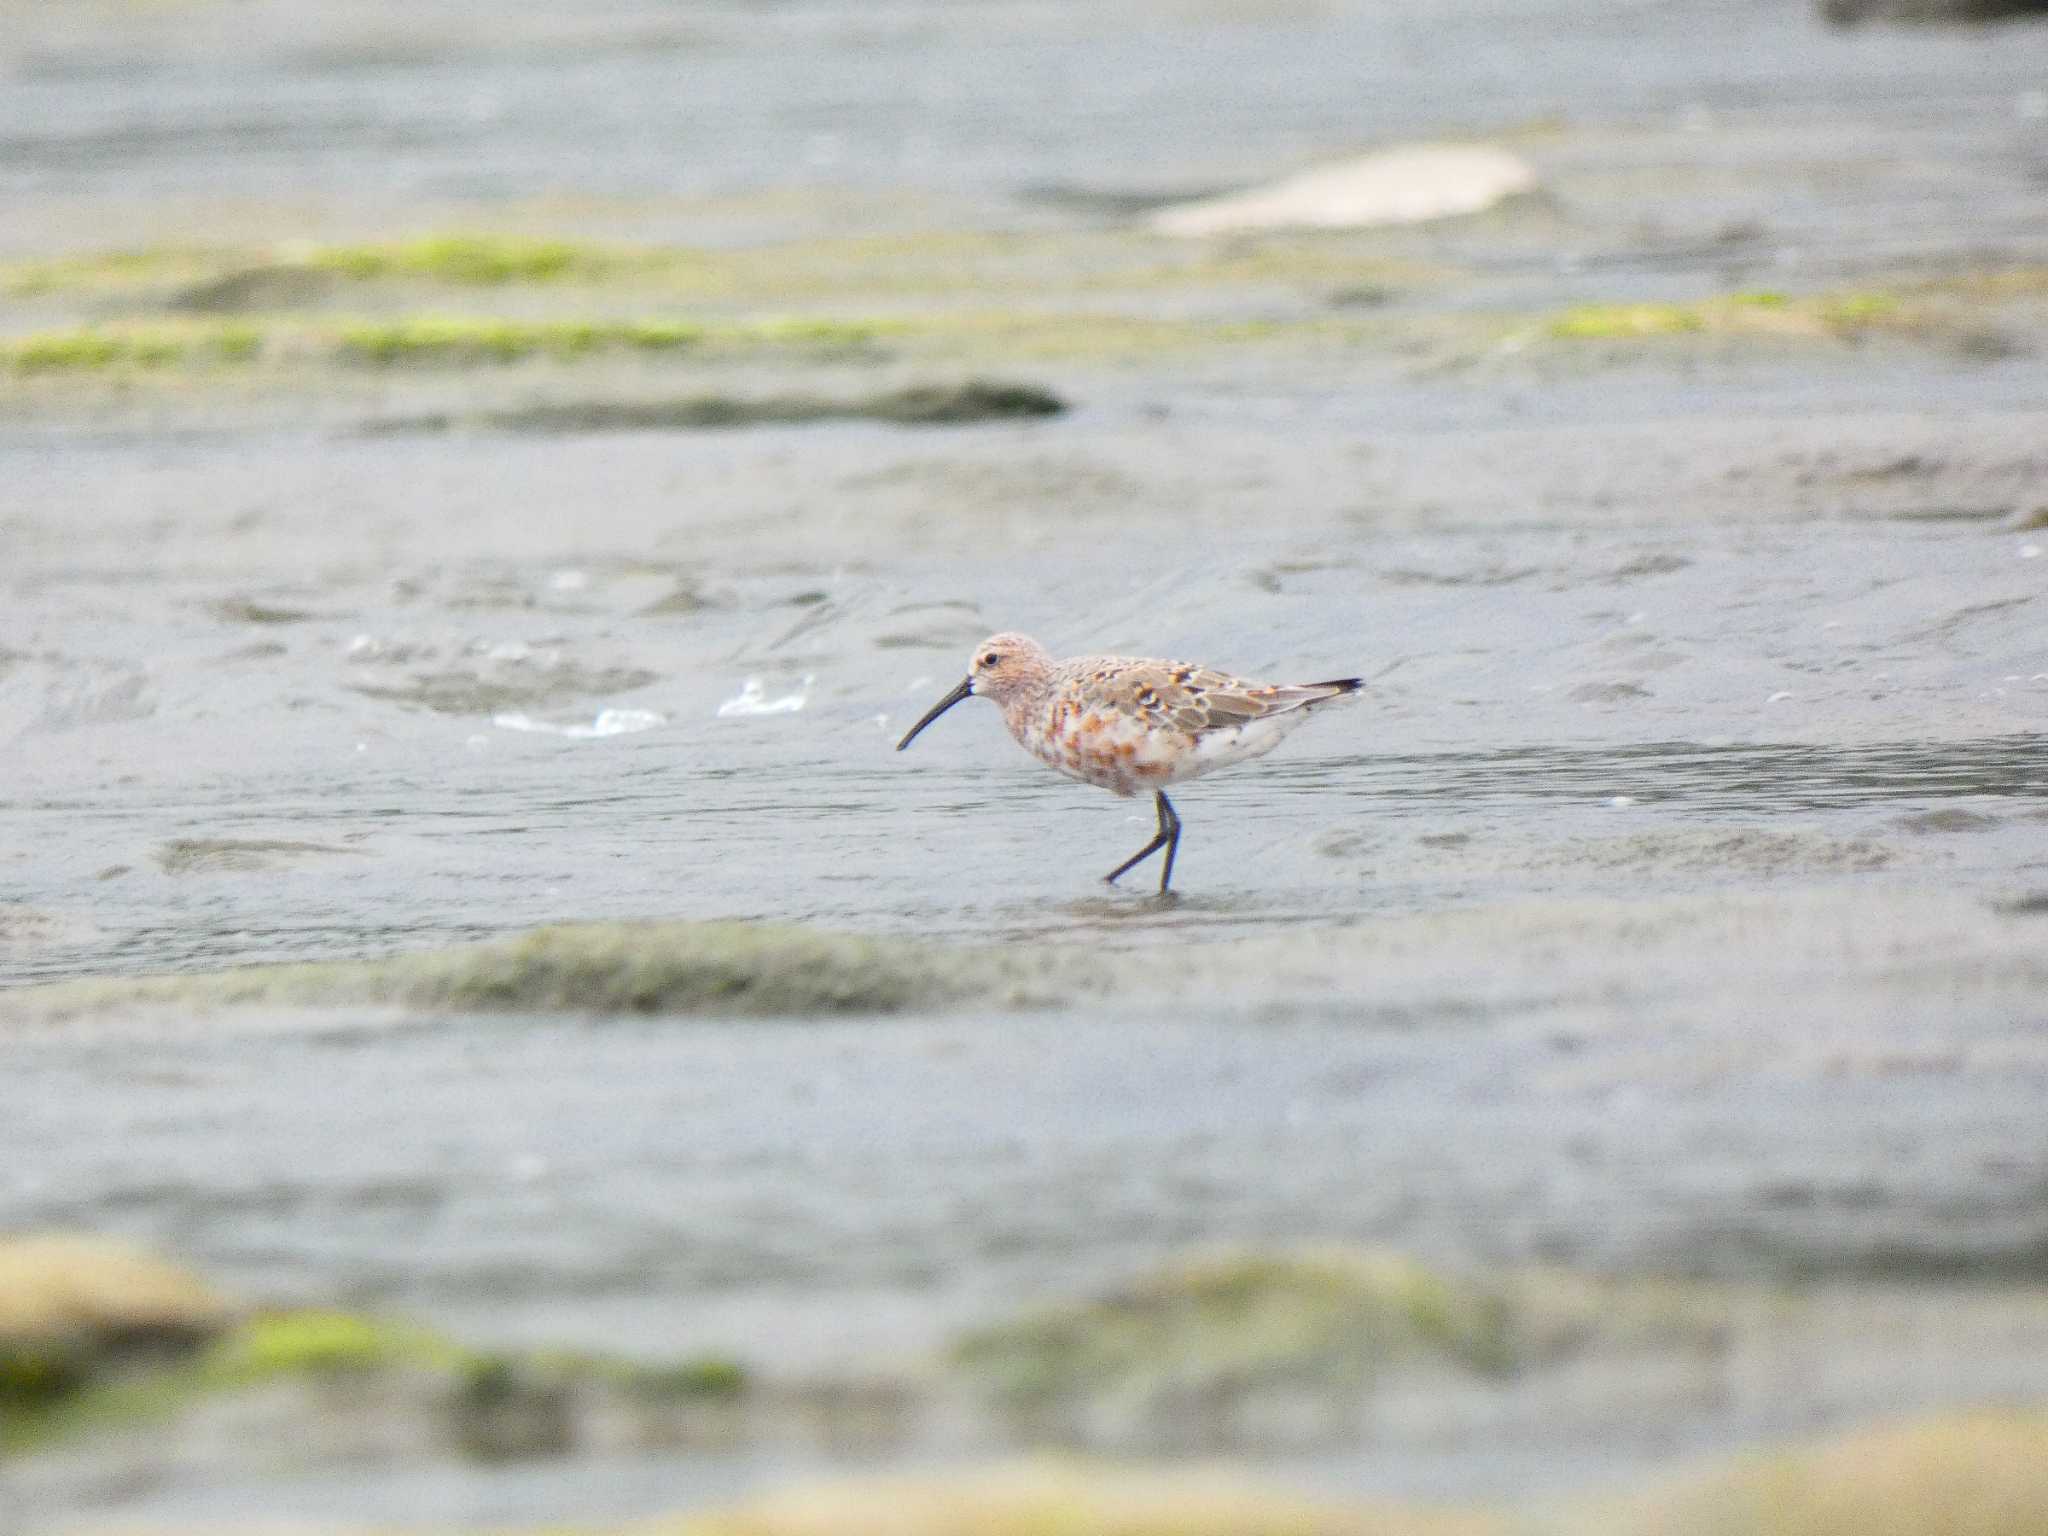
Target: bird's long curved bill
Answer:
pixel 965 690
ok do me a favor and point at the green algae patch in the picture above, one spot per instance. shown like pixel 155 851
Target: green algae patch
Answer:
pixel 462 339
pixel 1840 316
pixel 98 1337
pixel 683 968
pixel 1333 1318
pixel 709 1378
pixel 332 1364
pixel 112 1393
pixel 959 339
pixel 155 346
pixel 471 339
pixel 298 1343
pixel 644 968
pixel 931 263
pixel 91 348
pixel 468 260
pixel 1954 315
pixel 74 1306
pixel 438 340
pixel 1231 1343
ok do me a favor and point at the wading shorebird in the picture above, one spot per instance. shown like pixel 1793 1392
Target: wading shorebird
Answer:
pixel 1128 723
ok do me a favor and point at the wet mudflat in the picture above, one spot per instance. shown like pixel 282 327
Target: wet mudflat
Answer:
pixel 561 528
pixel 429 751
pixel 838 1203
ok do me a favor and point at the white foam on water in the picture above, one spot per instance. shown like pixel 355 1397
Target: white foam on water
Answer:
pixel 753 700
pixel 609 722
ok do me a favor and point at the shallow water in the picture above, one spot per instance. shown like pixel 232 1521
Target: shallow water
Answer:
pixel 457 103
pixel 835 1195
pixel 1555 713
pixel 839 1197
pixel 1582 727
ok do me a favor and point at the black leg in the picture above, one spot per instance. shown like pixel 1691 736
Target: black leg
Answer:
pixel 1168 837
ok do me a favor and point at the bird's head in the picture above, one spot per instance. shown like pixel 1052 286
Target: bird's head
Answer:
pixel 1005 668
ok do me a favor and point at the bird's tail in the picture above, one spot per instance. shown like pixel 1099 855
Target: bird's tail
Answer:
pixel 1280 701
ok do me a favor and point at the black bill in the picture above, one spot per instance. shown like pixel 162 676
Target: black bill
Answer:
pixel 965 690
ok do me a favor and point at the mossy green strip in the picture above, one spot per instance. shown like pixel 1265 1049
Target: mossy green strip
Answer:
pixel 468 260
pixel 1322 1320
pixel 1836 315
pixel 417 339
pixel 1339 1320
pixel 261 1349
pixel 926 262
pixel 89 348
pixel 322 1344
pixel 959 337
pixel 295 1343
pixel 726 968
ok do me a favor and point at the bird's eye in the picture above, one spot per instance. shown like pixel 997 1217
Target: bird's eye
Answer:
pixel 990 659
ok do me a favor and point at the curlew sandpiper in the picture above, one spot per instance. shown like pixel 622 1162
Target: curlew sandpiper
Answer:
pixel 1128 723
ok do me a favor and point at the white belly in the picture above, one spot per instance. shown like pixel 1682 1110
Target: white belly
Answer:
pixel 1237 744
